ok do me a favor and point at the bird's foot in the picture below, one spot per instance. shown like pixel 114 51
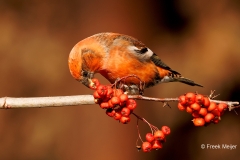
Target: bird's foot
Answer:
pixel 130 89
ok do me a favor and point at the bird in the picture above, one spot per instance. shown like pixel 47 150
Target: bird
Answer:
pixel 116 55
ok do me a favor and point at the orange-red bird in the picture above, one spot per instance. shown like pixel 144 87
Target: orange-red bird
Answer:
pixel 115 55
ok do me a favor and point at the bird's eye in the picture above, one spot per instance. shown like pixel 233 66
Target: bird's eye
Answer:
pixel 84 73
pixel 142 51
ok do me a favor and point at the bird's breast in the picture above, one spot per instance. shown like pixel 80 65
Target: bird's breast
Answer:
pixel 122 64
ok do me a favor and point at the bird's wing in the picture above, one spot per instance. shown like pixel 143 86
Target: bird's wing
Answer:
pixel 157 61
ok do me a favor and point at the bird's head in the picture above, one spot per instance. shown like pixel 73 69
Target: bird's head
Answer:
pixel 85 59
pixel 77 66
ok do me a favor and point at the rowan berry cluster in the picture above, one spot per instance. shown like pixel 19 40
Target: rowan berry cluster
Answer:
pixel 201 108
pixel 155 140
pixel 120 107
pixel 115 102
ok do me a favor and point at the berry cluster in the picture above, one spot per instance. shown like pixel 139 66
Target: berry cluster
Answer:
pixel 155 140
pixel 115 102
pixel 202 109
pixel 118 106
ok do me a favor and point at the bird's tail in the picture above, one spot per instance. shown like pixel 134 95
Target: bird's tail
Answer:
pixel 170 75
pixel 186 81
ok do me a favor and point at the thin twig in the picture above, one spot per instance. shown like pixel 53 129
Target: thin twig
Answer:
pixel 139 97
pixel 139 136
pixel 145 121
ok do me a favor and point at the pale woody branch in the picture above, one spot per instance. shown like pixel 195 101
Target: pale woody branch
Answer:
pixel 8 102
pixel 39 102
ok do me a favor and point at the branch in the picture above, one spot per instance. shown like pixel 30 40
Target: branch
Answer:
pixel 8 102
pixel 231 105
pixel 38 102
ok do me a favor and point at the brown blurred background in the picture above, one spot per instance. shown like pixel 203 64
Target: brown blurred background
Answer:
pixel 200 39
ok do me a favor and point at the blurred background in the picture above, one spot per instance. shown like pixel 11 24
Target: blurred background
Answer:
pixel 200 39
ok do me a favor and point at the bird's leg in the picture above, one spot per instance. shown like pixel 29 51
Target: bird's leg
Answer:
pixel 130 89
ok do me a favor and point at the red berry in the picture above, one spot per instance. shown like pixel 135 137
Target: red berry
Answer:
pixel 157 145
pixel 125 119
pixel 159 135
pixel 109 92
pixel 182 100
pixel 125 111
pixel 115 101
pixel 104 105
pixel 222 106
pixel 110 104
pixel 102 90
pixel 195 106
pixel 166 130
pixel 149 137
pixel 209 117
pixel 203 112
pixel 117 92
pixel 96 95
pixel 117 116
pixel 216 112
pixel 198 121
pixel 123 99
pixel 212 106
pixel 131 104
pixel 190 98
pixel 146 147
pixel 195 114
pixel 181 107
pixel 199 99
pixel 110 112
pixel 189 110
pixel 105 99
pixel 206 102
